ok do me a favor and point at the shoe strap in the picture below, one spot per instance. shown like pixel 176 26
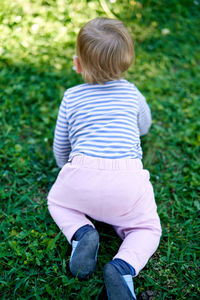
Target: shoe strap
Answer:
pixel 129 281
pixel 74 245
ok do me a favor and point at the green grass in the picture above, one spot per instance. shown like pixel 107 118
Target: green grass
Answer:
pixel 37 43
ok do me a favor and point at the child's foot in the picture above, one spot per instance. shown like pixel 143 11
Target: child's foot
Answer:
pixel 119 287
pixel 84 254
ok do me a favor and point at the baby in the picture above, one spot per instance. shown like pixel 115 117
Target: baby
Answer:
pixel 97 145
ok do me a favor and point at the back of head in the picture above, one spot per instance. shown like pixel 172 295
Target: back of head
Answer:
pixel 105 50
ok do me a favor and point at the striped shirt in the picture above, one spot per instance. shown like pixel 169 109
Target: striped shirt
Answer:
pixel 101 120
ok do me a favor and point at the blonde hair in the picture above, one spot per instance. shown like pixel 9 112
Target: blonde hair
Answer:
pixel 105 50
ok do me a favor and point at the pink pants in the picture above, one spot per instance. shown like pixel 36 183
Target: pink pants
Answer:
pixel 114 191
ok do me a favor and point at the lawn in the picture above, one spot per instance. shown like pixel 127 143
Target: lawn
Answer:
pixel 37 42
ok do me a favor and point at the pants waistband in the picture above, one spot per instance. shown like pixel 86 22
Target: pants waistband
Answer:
pixel 106 164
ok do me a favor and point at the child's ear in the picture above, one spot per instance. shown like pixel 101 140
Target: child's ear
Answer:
pixel 77 65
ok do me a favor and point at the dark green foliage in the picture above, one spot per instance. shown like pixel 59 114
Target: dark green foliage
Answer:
pixel 37 43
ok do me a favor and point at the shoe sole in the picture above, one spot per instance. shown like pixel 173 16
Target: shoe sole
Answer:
pixel 83 262
pixel 116 286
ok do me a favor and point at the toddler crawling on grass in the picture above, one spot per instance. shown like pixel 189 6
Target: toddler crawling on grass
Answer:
pixel 97 145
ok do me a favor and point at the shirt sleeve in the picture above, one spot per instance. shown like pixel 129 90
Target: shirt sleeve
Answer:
pixel 144 115
pixel 61 143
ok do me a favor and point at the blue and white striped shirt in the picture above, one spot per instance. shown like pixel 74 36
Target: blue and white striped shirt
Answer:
pixel 101 120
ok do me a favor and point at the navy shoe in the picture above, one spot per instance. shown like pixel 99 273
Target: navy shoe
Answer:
pixel 119 287
pixel 84 255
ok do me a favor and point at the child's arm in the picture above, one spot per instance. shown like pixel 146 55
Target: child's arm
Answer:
pixel 144 115
pixel 61 143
